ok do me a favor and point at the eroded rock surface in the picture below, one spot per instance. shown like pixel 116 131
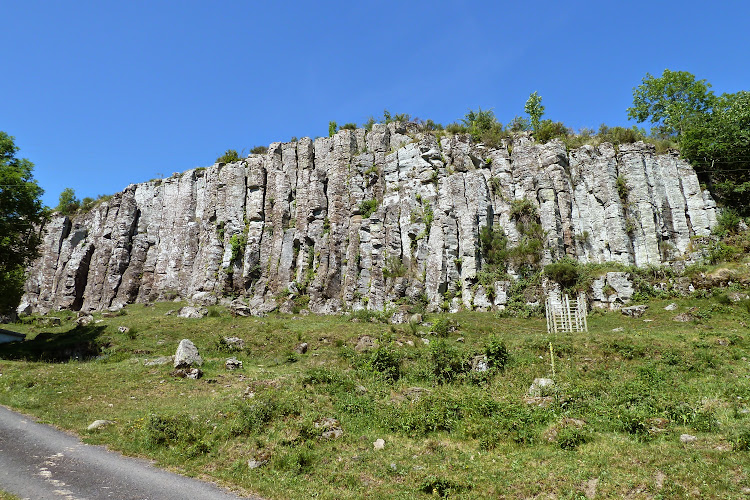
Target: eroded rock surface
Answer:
pixel 363 219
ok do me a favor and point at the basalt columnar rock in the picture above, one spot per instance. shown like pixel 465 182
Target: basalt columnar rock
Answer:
pixel 363 219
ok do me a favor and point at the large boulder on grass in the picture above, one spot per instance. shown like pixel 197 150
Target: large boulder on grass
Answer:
pixel 187 355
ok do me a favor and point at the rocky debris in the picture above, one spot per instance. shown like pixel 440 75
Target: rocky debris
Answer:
pixel 550 435
pixel 192 373
pixel 685 317
pixel 671 307
pixel 233 343
pixel 239 308
pixel 163 360
pixel 301 348
pixel 232 364
pixel 378 444
pixel 98 424
pixel 590 486
pixel 612 290
pixel 687 438
pixel 187 355
pixel 634 311
pixel 84 320
pixel 51 321
pixel 541 387
pixel 365 343
pixel 479 363
pixel 192 312
pixel 618 329
pixel 255 464
pixel 297 210
pixel 414 393
pixel 330 427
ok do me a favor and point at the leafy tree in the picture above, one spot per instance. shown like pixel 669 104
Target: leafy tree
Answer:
pixel 332 128
pixel 717 144
pixel 534 109
pixel 68 203
pixel 671 102
pixel 21 215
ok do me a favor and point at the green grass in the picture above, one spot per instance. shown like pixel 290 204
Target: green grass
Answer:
pixel 468 435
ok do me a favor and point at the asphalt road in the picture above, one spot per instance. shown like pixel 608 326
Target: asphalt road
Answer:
pixel 39 462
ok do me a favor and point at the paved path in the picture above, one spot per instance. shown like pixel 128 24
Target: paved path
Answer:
pixel 39 462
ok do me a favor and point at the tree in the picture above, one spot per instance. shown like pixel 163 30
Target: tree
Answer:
pixel 68 203
pixel 534 109
pixel 21 216
pixel 671 101
pixel 717 144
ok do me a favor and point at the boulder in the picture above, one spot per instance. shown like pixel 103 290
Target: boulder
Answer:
pixel 301 348
pixel 187 355
pixel 671 307
pixel 541 387
pixel 634 311
pixel 232 364
pixel 192 312
pixel 365 343
pixel 98 424
pixel 233 343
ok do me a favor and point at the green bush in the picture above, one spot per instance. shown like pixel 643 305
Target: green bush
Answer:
pixel 442 327
pixel 549 130
pixel 68 204
pixel 229 156
pixel 497 353
pixel 727 222
pixel 368 207
pixel 259 150
pixel 447 362
pixel 386 362
pixel 570 438
pixel 565 271
pixel 349 126
pixel 332 128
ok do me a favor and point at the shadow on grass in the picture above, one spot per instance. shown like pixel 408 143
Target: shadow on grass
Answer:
pixel 78 343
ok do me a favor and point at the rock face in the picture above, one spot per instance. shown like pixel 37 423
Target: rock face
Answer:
pixel 363 219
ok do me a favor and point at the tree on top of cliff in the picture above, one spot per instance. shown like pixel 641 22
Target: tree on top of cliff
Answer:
pixel 21 214
pixel 671 102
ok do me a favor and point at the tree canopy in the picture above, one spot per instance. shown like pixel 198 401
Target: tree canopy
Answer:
pixel 671 102
pixel 713 132
pixel 21 215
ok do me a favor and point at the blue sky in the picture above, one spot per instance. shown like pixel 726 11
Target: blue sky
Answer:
pixel 102 94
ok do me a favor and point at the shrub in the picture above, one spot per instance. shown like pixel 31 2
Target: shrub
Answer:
pixel 394 268
pixel 549 130
pixel 259 150
pixel 238 242
pixel 440 487
pixel 386 362
pixel 332 127
pixel 368 207
pixel 727 222
pixel 349 126
pixel 447 362
pixel 229 156
pixel 619 135
pixel 497 353
pixel 443 326
pixel 622 188
pixel 565 271
pixel 570 438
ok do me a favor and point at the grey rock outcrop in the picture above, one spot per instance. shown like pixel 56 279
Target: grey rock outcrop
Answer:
pixel 187 355
pixel 364 219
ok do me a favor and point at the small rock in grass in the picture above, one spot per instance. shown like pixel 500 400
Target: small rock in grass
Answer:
pixel 302 348
pixel 365 343
pixel 634 311
pixel 98 424
pixel 123 329
pixel 379 444
pixel 688 438
pixel 541 386
pixel 425 341
pixel 254 464
pixel 163 360
pixel 618 329
pixel 232 364
pixel 671 307
pixel 192 373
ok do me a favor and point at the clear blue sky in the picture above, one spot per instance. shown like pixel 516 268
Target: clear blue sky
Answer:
pixel 100 94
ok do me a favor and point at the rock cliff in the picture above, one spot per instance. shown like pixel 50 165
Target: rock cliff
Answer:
pixel 363 219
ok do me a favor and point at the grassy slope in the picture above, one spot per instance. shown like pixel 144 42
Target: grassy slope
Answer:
pixel 476 437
